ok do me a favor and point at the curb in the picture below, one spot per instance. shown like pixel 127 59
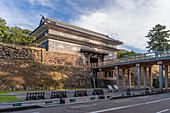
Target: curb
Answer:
pixel 20 108
pixel 137 95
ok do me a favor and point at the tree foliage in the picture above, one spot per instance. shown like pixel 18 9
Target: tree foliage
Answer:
pixel 158 38
pixel 123 53
pixel 14 33
pixel 3 29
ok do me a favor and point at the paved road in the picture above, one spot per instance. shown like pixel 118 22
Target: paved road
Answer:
pixel 159 103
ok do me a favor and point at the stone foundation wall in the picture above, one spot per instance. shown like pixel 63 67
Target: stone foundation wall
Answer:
pixel 19 52
pixel 63 58
pixel 33 68
pixel 27 75
pixel 36 54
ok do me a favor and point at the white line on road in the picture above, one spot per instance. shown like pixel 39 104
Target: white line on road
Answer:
pixel 144 97
pixel 112 109
pixel 163 95
pixel 163 111
pixel 84 106
pixel 157 101
pixel 122 100
pixel 122 107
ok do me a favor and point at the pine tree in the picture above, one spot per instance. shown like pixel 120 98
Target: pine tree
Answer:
pixel 158 38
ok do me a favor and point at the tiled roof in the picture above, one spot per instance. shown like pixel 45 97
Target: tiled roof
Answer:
pixel 73 27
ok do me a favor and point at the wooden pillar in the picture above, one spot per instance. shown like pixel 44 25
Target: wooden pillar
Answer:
pixel 166 77
pixel 145 77
pixel 42 55
pixel 129 77
pixel 117 76
pixel 139 74
pixel 123 78
pixel 160 74
pixel 150 78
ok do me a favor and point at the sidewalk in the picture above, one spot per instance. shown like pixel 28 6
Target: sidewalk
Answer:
pixel 56 102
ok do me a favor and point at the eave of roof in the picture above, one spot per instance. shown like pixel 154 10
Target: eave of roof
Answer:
pixel 108 39
pixel 76 28
pixel 73 26
pixel 36 29
pixel 47 21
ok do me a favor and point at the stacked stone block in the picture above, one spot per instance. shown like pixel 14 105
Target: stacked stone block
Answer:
pixel 36 54
pixel 63 58
pixel 16 52
pixel 21 68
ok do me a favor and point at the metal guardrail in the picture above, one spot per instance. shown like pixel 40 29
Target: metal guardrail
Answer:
pixel 145 56
pixel 8 41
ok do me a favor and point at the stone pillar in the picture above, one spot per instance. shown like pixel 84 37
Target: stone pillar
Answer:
pixel 123 78
pixel 166 77
pixel 117 76
pixel 88 60
pixel 145 77
pixel 99 59
pixel 139 74
pixel 160 75
pixel 150 78
pixel 129 77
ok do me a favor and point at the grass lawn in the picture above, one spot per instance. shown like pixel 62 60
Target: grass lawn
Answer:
pixel 8 98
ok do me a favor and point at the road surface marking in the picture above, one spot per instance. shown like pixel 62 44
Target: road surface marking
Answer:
pixel 112 109
pixel 144 97
pixel 163 95
pixel 156 101
pixel 163 111
pixel 122 107
pixel 84 106
pixel 122 100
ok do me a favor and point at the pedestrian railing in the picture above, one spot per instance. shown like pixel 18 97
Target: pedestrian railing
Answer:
pixel 151 55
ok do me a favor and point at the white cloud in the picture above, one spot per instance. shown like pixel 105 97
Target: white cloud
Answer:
pixel 14 16
pixel 128 21
pixel 48 3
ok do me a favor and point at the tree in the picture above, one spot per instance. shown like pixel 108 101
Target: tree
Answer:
pixel 3 29
pixel 15 33
pixel 124 53
pixel 2 21
pixel 158 38
pixel 20 35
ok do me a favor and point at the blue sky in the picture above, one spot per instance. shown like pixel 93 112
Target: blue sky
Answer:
pixel 125 20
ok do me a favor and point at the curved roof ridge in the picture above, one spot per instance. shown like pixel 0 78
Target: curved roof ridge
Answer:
pixel 70 25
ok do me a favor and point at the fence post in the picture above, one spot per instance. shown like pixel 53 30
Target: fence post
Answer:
pixel 126 59
pixel 144 56
pixel 42 54
pixel 156 54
